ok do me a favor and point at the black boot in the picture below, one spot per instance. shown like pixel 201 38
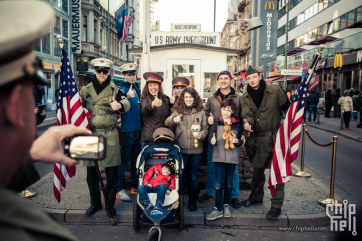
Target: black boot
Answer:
pixel 93 209
pixel 273 213
pixel 192 199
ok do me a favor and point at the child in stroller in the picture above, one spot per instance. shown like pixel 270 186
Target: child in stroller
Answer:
pixel 158 179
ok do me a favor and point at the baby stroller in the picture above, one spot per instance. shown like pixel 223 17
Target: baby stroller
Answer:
pixel 173 206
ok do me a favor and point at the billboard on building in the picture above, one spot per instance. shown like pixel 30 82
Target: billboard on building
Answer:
pixel 165 38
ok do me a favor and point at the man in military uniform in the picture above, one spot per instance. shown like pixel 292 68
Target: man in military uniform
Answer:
pixel 179 84
pixel 261 106
pixel 26 23
pixel 103 99
pixel 131 129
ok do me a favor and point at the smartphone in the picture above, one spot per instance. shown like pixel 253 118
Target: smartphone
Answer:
pixel 86 147
pixel 41 108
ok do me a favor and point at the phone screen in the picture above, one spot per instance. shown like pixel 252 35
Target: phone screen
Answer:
pixel 83 147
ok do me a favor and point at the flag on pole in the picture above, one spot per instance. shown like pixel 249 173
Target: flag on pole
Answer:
pixel 69 111
pixel 128 19
pixel 287 139
pixel 119 15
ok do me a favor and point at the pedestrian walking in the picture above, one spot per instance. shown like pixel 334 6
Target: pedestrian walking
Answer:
pixel 313 100
pixel 155 106
pixel 261 106
pixel 357 107
pixel 225 156
pixel 336 107
pixel 38 93
pixel 213 111
pixel 329 103
pixel 347 107
pixel 191 129
pixel 104 100
pixel 131 130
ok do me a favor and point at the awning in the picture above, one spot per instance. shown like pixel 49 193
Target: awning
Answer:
pixel 323 40
pixel 294 51
pixel 289 78
pixel 269 80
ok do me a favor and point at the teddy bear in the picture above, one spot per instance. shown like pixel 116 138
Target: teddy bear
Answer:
pixel 226 135
pixel 195 129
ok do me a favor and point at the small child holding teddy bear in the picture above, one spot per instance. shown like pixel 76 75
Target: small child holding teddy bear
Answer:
pixel 225 135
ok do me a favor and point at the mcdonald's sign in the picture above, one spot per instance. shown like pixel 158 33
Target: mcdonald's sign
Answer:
pixel 270 4
pixel 338 61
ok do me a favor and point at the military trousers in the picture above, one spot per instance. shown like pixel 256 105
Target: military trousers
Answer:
pixel 93 185
pixel 277 200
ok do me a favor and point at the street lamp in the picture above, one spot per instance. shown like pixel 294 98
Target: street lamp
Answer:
pixel 253 23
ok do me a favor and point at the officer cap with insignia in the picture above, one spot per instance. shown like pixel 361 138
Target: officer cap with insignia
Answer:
pixel 152 77
pixel 163 133
pixel 180 81
pixel 22 25
pixel 251 70
pixel 102 64
pixel 129 68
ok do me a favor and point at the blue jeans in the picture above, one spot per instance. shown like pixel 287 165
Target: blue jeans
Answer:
pixel 193 161
pixel 312 108
pixel 210 185
pixel 358 117
pixel 129 154
pixel 224 172
pixel 160 190
pixel 305 114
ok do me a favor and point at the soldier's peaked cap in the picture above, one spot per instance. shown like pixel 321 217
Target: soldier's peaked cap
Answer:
pixel 129 68
pixel 180 81
pixel 163 132
pixel 102 63
pixel 152 77
pixel 22 25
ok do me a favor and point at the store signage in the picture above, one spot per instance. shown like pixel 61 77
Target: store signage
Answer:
pixel 165 38
pixel 56 66
pixel 266 56
pixel 76 27
pixel 275 73
pixel 313 83
pixel 291 72
pixel 47 65
pixel 185 27
pixel 359 56
pixel 338 61
pixel 271 3
pixel 268 30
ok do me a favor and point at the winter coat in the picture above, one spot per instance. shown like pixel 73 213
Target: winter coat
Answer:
pixel 184 134
pixel 220 154
pixel 346 103
pixel 336 95
pixel 265 122
pixel 154 177
pixel 328 99
pixel 356 103
pixel 213 104
pixel 153 118
pixel 313 99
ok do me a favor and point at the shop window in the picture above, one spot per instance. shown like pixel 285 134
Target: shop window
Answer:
pixel 336 24
pixel 210 84
pixel 350 18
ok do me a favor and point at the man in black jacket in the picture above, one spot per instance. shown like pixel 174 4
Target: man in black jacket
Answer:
pixel 336 95
pixel 313 100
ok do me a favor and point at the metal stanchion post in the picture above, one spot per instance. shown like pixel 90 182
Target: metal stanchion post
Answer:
pixel 301 173
pixel 331 199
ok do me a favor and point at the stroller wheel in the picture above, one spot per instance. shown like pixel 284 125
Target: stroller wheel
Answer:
pixel 181 213
pixel 136 215
pixel 152 235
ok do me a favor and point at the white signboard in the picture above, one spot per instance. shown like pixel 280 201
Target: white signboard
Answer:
pixel 185 27
pixel 165 38
pixel 291 72
pixel 76 27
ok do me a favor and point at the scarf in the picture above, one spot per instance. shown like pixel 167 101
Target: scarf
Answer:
pixel 99 87
pixel 257 95
pixel 128 85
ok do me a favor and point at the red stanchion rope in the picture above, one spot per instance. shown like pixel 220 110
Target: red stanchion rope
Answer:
pixel 317 142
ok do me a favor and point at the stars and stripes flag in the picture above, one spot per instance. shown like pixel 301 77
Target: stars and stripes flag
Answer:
pixel 128 19
pixel 69 111
pixel 119 15
pixel 286 143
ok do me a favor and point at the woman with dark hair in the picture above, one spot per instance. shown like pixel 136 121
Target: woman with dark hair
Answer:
pixel 329 103
pixel 155 106
pixel 191 130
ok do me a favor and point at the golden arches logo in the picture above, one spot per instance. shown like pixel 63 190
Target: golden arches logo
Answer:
pixel 270 4
pixel 338 61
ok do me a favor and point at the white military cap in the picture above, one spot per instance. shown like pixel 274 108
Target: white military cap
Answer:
pixel 129 68
pixel 22 24
pixel 102 63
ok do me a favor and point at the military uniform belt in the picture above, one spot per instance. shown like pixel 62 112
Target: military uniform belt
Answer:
pixel 101 112
pixel 102 130
pixel 273 132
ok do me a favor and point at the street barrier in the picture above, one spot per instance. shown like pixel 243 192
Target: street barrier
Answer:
pixel 301 173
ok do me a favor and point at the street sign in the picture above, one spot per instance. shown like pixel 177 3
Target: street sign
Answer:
pixel 305 65
pixel 291 72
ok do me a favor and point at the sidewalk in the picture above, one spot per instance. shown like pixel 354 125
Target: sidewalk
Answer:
pixel 300 207
pixel 333 125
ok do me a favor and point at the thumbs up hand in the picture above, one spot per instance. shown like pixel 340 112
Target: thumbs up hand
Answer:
pixel 211 119
pixel 173 98
pixel 131 93
pixel 213 140
pixel 177 119
pixel 115 104
pixel 247 126
pixel 156 103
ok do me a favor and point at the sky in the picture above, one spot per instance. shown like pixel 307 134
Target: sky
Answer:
pixel 191 11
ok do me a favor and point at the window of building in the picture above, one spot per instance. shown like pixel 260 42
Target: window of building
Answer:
pixel 46 44
pixel 84 32
pixel 62 30
pixel 57 24
pixel 350 18
pixel 100 36
pixel 95 32
pixel 344 21
pixel 359 14
pixel 209 83
pixel 336 24
pixel 61 4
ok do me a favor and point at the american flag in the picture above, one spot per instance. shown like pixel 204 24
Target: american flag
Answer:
pixel 128 19
pixel 287 139
pixel 69 111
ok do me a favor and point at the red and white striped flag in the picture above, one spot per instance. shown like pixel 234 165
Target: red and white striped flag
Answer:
pixel 69 111
pixel 128 19
pixel 287 139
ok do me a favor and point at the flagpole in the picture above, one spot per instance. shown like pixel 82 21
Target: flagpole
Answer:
pixel 108 33
pixel 286 46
